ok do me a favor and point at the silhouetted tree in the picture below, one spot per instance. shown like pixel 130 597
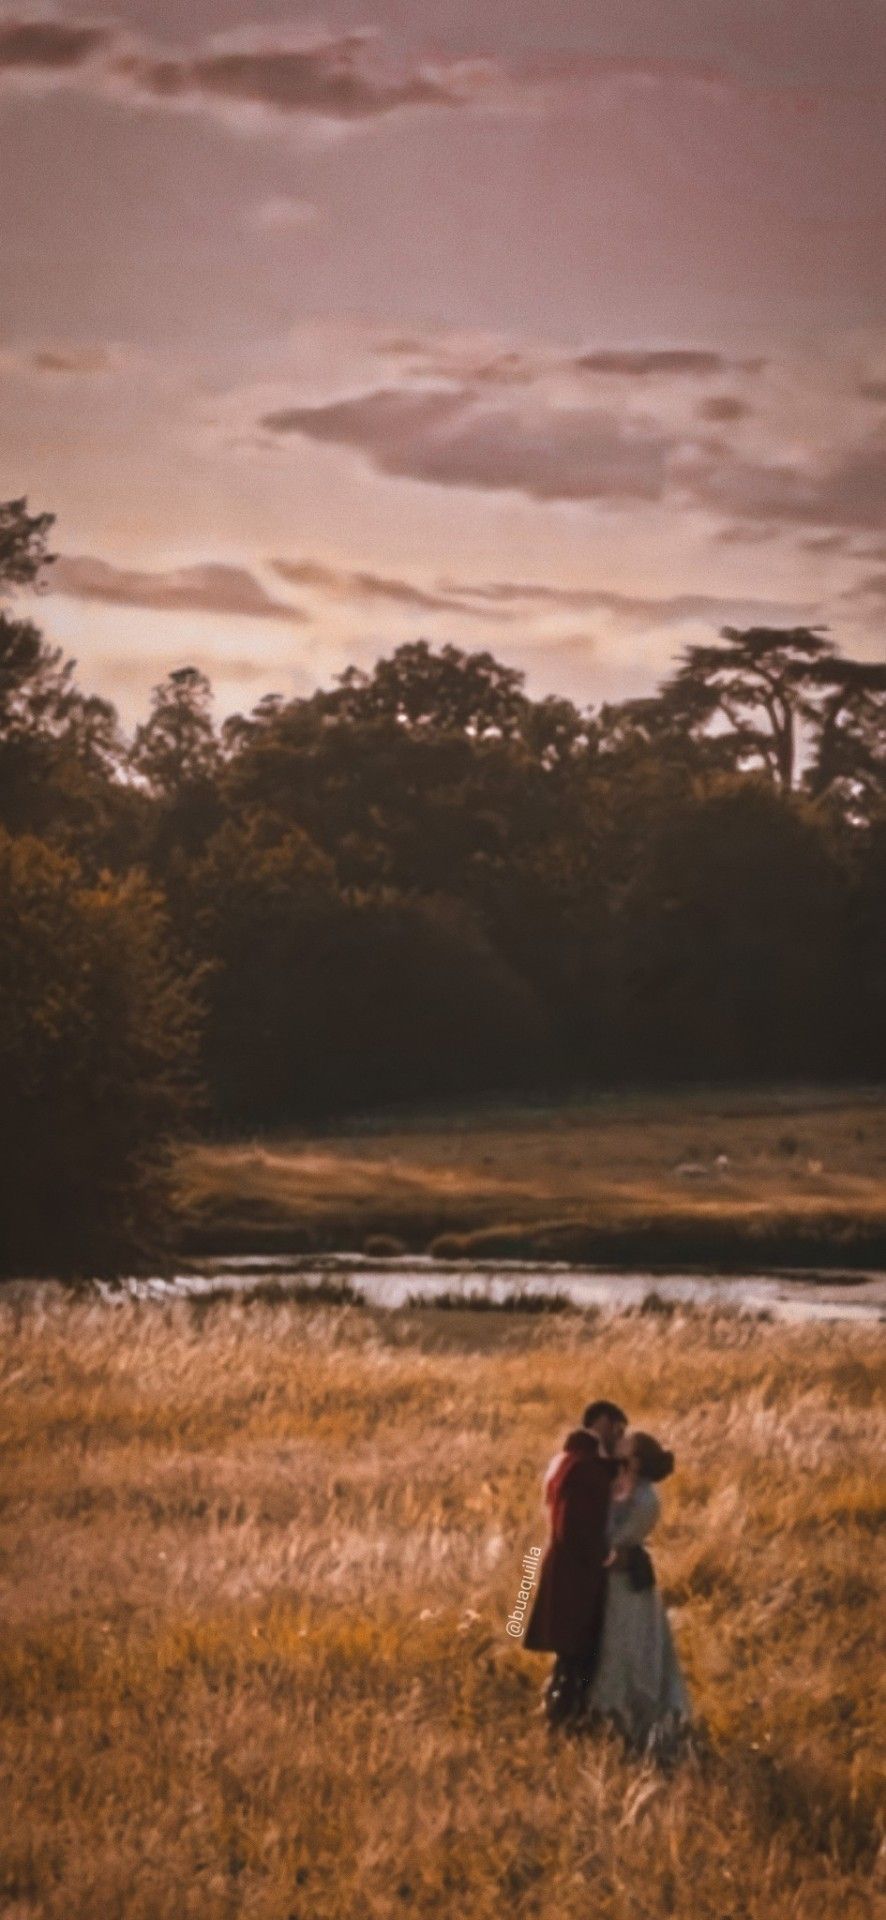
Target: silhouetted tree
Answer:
pixel 35 701
pixel 728 941
pixel 414 1003
pixel 98 1032
pixel 35 683
pixel 177 753
pixel 443 691
pixel 261 908
pixel 862 1034
pixel 176 749
pixel 62 754
pixel 23 544
pixel 849 757
pixel 751 694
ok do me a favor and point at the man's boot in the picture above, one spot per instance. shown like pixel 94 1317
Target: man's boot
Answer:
pixel 564 1692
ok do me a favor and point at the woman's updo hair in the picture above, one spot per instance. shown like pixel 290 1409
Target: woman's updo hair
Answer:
pixel 654 1462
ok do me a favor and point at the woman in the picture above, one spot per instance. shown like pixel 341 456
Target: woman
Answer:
pixel 638 1683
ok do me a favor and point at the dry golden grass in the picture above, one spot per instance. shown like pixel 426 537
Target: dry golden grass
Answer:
pixel 257 1563
pixel 747 1163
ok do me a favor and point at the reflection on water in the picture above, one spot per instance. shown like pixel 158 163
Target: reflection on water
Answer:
pixel 414 1279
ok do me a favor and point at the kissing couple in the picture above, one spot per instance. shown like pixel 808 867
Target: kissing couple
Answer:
pixel 598 1607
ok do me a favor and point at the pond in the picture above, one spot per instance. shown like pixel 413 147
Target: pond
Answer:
pixel 417 1280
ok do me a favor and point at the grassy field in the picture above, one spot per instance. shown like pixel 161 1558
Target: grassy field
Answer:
pixel 725 1179
pixel 257 1563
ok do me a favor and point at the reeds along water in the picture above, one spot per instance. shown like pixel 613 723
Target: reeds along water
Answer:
pixel 258 1562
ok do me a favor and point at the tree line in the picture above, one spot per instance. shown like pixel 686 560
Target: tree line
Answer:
pixel 417 883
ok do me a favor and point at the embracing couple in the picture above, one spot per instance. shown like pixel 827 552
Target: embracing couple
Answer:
pixel 598 1608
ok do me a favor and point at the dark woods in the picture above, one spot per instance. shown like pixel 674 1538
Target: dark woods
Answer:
pixel 419 883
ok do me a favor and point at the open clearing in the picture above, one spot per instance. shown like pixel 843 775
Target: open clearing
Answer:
pixel 786 1176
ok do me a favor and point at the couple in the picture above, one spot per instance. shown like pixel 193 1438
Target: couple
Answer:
pixel 597 1606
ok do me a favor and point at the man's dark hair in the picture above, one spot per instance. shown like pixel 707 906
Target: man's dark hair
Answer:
pixel 600 1410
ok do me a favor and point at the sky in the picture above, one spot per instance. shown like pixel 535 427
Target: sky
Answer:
pixel 558 330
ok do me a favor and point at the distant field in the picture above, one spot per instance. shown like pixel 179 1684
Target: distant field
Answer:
pixel 257 1563
pixel 763 1175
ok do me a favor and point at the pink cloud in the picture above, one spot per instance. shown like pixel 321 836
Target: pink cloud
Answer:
pixel 333 79
pixel 340 78
pixel 345 584
pixel 452 439
pixel 211 588
pixel 36 45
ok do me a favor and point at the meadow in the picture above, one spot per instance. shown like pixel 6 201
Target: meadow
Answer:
pixel 789 1176
pixel 257 1561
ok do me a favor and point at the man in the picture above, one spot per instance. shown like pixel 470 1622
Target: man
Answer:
pixel 567 1617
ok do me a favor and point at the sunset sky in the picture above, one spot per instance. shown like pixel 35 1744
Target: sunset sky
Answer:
pixel 556 328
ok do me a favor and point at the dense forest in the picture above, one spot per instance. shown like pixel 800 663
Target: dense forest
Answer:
pixel 419 882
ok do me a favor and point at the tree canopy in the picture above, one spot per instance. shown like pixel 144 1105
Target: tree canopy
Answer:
pixel 422 881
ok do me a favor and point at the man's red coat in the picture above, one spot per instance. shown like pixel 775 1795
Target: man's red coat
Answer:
pixel 567 1615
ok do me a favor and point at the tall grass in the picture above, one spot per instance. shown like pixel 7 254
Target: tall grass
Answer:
pixel 257 1563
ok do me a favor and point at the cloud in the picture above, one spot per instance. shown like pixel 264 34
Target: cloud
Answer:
pixel 724 407
pixel 641 363
pixel 336 583
pixel 644 610
pixel 40 45
pixel 335 78
pixel 742 534
pixel 848 490
pixel 872 587
pixel 474 359
pixel 519 420
pixel 487 360
pixel 83 360
pixel 825 543
pixel 510 601
pixel 342 79
pixel 70 360
pixel 455 439
pixel 210 588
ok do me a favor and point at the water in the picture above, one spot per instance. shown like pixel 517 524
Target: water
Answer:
pixel 414 1278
